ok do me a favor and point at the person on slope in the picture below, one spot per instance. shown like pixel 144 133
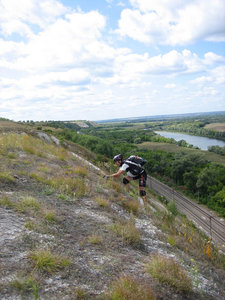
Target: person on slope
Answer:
pixel 133 166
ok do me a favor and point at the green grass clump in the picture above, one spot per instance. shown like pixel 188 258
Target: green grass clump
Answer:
pixel 26 285
pixel 102 202
pixel 129 233
pixel 128 288
pixel 6 202
pixel 94 239
pixel 167 271
pixel 6 177
pixel 46 261
pixel 29 225
pixel 50 216
pixel 28 205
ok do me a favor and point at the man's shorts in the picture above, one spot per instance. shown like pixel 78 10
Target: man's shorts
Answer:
pixel 142 179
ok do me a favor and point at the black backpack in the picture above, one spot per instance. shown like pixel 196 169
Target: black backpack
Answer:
pixel 137 160
pixel 135 164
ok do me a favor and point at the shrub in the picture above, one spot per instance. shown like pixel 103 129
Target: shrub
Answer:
pixel 128 288
pixel 170 272
pixel 172 208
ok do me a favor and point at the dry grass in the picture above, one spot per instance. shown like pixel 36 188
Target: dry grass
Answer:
pixel 128 288
pixel 67 185
pixel 102 202
pixel 167 271
pixel 80 171
pixel 220 127
pixel 28 205
pixel 32 145
pixel 94 239
pixel 131 205
pixel 129 233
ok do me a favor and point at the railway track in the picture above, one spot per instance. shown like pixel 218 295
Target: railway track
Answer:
pixel 212 225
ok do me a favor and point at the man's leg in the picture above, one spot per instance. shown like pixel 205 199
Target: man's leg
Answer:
pixel 142 185
pixel 126 181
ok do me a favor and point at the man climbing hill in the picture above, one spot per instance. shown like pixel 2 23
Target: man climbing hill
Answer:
pixel 133 166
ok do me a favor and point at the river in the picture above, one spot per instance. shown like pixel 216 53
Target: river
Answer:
pixel 201 142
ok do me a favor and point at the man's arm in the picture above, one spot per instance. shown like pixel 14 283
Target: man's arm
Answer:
pixel 117 174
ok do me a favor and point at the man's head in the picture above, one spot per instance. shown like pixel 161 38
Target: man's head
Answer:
pixel 118 159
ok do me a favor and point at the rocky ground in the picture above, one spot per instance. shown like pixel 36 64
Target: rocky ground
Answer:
pixel 81 230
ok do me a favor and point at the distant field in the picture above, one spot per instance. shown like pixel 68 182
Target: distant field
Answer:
pixel 175 149
pixel 220 127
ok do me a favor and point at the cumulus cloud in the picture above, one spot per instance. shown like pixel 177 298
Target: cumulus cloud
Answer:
pixel 17 16
pixel 173 22
pixel 61 63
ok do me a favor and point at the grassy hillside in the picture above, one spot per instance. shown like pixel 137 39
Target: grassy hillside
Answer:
pixel 67 233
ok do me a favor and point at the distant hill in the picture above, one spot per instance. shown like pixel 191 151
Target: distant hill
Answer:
pixel 161 117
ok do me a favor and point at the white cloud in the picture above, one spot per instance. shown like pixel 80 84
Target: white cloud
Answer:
pixel 63 65
pixel 173 22
pixel 212 58
pixel 17 16
pixel 170 86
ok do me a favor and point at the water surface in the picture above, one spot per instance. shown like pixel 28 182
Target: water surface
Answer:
pixel 201 142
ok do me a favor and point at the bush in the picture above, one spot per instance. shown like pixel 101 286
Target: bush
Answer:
pixel 172 208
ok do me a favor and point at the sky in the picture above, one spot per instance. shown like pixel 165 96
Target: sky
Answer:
pixel 103 59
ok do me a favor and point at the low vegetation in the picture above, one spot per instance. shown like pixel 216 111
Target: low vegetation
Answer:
pixel 46 261
pixel 67 233
pixel 168 271
pixel 129 233
pixel 129 288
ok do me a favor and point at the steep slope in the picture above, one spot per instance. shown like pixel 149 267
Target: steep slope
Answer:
pixel 66 233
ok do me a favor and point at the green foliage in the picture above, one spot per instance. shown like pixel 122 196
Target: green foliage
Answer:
pixel 26 285
pixel 217 202
pixel 172 208
pixel 217 149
